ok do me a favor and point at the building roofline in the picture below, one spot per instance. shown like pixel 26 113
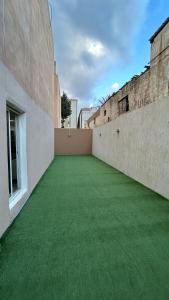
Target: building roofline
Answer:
pixel 74 100
pixel 88 109
pixel 135 77
pixel 158 30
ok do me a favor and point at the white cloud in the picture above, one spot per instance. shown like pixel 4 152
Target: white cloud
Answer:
pixel 89 40
pixel 95 47
pixel 115 86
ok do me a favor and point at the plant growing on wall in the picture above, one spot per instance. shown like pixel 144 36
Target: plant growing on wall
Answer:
pixel 65 108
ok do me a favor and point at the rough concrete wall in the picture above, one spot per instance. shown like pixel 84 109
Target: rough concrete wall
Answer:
pixel 105 108
pixel 159 85
pixel 73 141
pixel 138 91
pixel 141 149
pixel 160 42
pixel 95 120
pixel 91 124
pixel 26 47
pixel 150 86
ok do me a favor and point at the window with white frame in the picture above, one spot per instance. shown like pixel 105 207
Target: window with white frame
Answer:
pixel 16 152
pixel 12 146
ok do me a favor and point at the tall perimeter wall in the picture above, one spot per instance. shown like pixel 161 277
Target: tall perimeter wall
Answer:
pixel 27 83
pixel 141 148
pixel 137 142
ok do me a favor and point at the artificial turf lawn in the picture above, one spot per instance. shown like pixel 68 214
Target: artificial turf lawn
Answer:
pixel 87 232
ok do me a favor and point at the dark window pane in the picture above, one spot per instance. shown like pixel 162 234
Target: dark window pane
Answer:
pixel 13 151
pixel 124 105
pixel 8 152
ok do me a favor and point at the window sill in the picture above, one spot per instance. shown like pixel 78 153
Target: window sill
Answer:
pixel 14 199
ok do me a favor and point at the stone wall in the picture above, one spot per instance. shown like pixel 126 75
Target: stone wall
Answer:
pixel 150 86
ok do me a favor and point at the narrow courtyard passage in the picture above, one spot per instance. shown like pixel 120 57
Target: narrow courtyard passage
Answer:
pixel 87 232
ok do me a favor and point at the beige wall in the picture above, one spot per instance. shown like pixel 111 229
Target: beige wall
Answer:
pixel 141 149
pixel 26 48
pixel 27 83
pixel 73 141
pixel 150 86
pixel 57 102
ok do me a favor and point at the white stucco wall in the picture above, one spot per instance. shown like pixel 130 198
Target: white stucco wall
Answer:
pixel 73 117
pixel 39 143
pixel 141 149
pixel 71 121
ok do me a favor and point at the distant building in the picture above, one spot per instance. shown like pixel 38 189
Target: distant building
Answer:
pixel 84 115
pixel 71 121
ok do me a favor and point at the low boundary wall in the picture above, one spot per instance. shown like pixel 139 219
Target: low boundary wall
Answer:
pixel 73 141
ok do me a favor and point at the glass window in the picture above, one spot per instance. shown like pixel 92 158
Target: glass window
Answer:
pixel 12 148
pixel 124 105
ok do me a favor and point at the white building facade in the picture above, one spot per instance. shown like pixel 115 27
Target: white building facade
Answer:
pixel 71 121
pixel 84 115
pixel 26 102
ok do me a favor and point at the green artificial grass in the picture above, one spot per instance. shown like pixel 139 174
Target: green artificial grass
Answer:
pixel 87 232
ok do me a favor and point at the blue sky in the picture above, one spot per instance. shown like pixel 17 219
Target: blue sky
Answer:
pixel 100 45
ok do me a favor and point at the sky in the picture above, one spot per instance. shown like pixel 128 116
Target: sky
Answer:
pixel 100 44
